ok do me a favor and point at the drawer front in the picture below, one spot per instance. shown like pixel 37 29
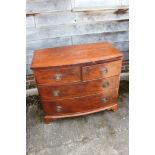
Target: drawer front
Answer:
pixel 58 76
pixel 101 70
pixel 83 104
pixel 77 90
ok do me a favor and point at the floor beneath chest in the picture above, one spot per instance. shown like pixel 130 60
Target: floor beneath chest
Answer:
pixel 103 133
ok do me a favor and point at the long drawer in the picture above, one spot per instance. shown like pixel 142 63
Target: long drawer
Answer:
pixel 79 89
pixel 103 70
pixel 82 104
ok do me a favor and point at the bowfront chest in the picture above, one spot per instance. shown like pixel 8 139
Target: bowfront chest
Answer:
pixel 77 80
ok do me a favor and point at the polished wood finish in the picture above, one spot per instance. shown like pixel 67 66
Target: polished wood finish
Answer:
pixel 67 75
pixel 101 70
pixel 80 104
pixel 66 56
pixel 49 118
pixel 78 89
pixel 77 80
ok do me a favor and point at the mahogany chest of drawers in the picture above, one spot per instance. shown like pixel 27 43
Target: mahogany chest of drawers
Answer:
pixel 77 80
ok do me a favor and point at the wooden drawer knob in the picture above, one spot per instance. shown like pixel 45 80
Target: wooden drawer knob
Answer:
pixel 104 100
pixel 56 93
pixel 58 108
pixel 105 84
pixel 57 77
pixel 104 70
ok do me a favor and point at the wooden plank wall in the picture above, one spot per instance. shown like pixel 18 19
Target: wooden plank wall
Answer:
pixel 53 23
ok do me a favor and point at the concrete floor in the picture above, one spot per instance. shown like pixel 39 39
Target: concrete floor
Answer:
pixel 103 133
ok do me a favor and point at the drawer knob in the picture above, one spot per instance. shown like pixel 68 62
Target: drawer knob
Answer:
pixel 104 100
pixel 58 108
pixel 105 84
pixel 58 77
pixel 104 71
pixel 56 93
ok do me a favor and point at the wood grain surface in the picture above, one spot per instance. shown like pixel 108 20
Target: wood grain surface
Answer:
pixel 72 55
pixel 78 89
pixel 101 70
pixel 77 80
pixel 68 75
pixel 82 104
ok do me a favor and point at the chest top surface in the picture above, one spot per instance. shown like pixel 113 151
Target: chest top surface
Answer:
pixel 73 55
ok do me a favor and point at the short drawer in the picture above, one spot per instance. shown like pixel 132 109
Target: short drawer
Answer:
pixel 78 89
pixel 58 76
pixel 101 70
pixel 80 105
